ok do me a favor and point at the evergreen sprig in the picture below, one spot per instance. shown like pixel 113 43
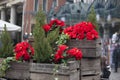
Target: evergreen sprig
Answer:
pixel 6 49
pixel 43 49
pixel 92 18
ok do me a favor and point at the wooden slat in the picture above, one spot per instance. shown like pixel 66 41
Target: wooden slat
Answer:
pixel 18 71
pixel 90 66
pixel 90 48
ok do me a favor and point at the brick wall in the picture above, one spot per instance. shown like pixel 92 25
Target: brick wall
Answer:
pixel 29 18
pixel 27 15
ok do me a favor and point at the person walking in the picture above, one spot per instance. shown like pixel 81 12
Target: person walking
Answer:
pixel 115 37
pixel 114 42
pixel 116 57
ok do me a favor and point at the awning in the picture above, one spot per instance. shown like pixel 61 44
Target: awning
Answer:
pixel 9 26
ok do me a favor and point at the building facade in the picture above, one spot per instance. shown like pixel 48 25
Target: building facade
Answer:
pixel 11 11
pixel 22 12
pixel 31 7
pixel 50 7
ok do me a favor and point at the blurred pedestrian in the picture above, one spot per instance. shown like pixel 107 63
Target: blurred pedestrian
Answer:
pixel 115 37
pixel 116 56
pixel 115 41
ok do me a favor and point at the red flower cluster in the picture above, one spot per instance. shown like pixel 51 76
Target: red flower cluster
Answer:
pixel 81 31
pixel 56 22
pixel 75 52
pixel 23 51
pixel 64 53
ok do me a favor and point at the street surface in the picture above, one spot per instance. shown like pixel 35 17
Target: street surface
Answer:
pixel 115 76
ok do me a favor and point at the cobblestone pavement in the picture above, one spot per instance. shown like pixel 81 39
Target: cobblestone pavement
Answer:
pixel 115 75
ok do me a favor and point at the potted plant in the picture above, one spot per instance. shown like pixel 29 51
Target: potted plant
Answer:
pixel 46 65
pixel 6 50
pixel 48 59
pixel 57 51
pixel 83 36
pixel 17 67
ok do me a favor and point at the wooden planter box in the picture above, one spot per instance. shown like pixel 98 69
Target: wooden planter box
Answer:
pixel 18 70
pixel 90 48
pixel 40 71
pixel 93 77
pixel 90 67
pixel 90 63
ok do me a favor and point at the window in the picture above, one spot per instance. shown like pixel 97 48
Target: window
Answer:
pixel 70 1
pixel 36 5
pixel 44 5
pixel 75 1
pixel 55 3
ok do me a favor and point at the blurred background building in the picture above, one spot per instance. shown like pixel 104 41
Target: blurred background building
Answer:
pixel 12 11
pixel 22 13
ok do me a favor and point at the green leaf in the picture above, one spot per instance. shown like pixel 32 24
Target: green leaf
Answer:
pixel 62 39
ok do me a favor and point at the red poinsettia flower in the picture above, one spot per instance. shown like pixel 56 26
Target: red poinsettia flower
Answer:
pixel 46 27
pixel 18 47
pixel 81 35
pixel 71 52
pixel 58 55
pixel 62 47
pixel 84 27
pixel 75 52
pixel 25 45
pixel 26 57
pixel 64 53
pixel 57 22
pixel 70 31
pixel 23 51
pixel 80 30
pixel 18 56
pixel 92 35
pixel 78 55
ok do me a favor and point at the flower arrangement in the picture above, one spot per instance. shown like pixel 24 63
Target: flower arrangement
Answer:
pixel 23 51
pixel 44 43
pixel 82 30
pixel 55 28
pixel 63 53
